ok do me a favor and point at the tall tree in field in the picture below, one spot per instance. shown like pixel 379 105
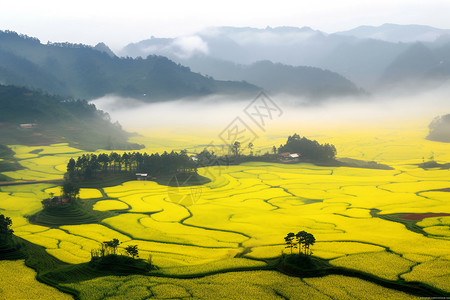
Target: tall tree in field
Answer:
pixel 132 250
pixel 301 238
pixel 103 159
pixel 126 160
pixel 236 147
pixel 70 190
pixel 309 241
pixel 289 240
pixel 5 227
pixel 250 146
pixel 71 167
pixel 114 159
pixel 113 244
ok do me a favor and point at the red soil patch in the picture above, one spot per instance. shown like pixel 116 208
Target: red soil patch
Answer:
pixel 420 217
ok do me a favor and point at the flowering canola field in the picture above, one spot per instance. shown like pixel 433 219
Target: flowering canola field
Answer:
pixel 240 218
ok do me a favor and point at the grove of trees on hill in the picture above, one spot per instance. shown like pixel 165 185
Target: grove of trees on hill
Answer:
pixel 309 149
pixel 92 165
pixel 302 240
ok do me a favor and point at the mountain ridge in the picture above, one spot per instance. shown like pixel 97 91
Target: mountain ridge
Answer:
pixel 81 71
pixel 361 59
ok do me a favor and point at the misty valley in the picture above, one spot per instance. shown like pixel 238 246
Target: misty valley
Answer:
pixel 234 163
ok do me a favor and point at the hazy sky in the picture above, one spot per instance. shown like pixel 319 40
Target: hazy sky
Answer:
pixel 118 23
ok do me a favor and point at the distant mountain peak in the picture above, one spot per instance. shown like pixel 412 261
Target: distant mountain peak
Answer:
pixel 397 33
pixel 102 47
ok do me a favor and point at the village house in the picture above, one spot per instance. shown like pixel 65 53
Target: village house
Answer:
pixel 141 176
pixel 288 157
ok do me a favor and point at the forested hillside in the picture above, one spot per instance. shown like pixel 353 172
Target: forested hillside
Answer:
pixel 87 72
pixel 34 118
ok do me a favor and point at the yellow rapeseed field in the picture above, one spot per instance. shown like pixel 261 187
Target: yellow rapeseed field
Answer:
pixel 252 206
pixel 19 282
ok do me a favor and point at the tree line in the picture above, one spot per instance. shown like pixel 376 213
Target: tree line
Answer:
pixel 91 165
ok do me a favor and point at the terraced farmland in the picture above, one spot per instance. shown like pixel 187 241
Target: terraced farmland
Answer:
pixel 239 219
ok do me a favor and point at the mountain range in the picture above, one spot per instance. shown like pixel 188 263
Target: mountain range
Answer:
pixel 301 62
pixel 87 72
pixel 368 56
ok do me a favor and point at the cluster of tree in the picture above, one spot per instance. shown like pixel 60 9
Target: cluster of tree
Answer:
pixel 69 193
pixel 210 158
pixel 12 36
pixel 106 248
pixel 309 149
pixel 110 248
pixel 5 227
pixel 132 250
pixel 91 165
pixel 68 45
pixel 302 240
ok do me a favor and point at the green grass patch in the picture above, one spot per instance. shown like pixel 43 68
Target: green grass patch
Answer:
pixel 5 178
pixel 179 180
pixel 357 163
pixel 105 181
pixel 10 249
pixel 7 162
pixel 433 164
pixel 79 212
pixel 120 264
pixel 174 180
pixel 36 151
pixel 409 224
pixel 310 266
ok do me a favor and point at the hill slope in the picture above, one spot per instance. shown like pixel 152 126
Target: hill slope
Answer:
pixel 33 118
pixel 420 65
pixel 278 78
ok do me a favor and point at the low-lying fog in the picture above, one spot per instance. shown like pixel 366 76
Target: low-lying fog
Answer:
pixel 219 111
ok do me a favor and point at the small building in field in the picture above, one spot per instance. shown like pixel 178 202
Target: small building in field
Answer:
pixel 288 157
pixel 28 125
pixel 55 201
pixel 141 176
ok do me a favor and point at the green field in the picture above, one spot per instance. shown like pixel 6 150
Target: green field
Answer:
pixel 237 222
